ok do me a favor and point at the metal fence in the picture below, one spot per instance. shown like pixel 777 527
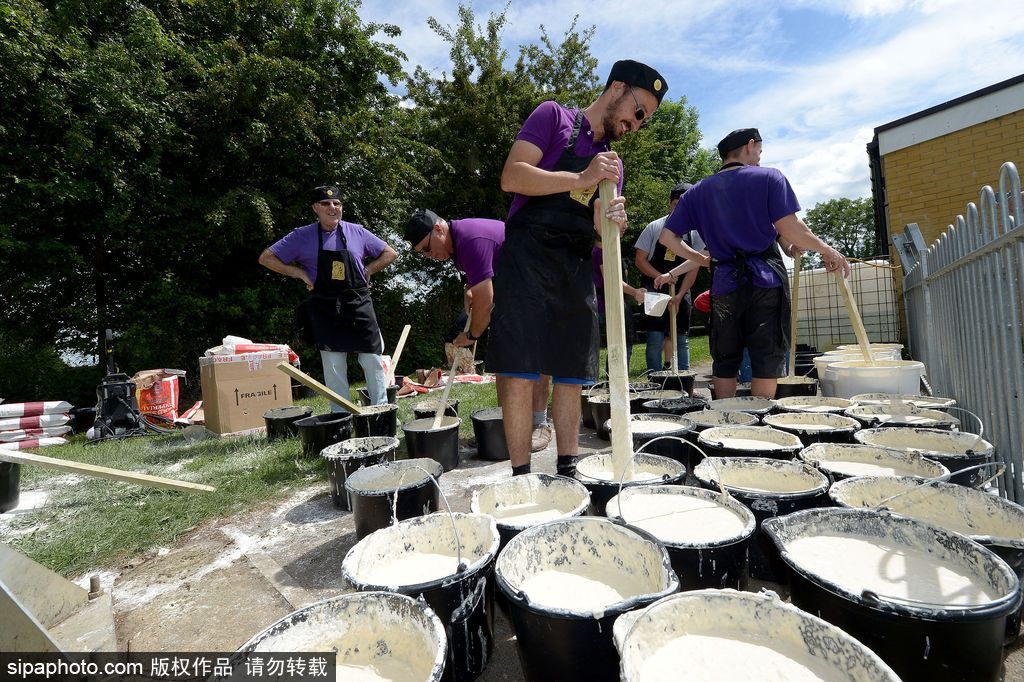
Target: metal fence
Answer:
pixel 965 306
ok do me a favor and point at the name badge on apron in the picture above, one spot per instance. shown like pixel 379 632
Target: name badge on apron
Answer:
pixel 583 195
pixel 670 255
pixel 338 271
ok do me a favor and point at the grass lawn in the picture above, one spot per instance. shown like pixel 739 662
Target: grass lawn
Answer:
pixel 89 523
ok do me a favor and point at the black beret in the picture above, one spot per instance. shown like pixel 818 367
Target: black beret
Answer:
pixel 679 190
pixel 421 222
pixel 324 193
pixel 737 139
pixel 640 75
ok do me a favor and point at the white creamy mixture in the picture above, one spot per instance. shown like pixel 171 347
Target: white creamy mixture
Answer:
pixel 428 424
pixel 858 564
pixel 748 444
pixel 724 659
pixel 680 518
pixel 765 478
pixel 605 473
pixel 854 468
pixel 411 568
pixel 379 670
pixel 526 513
pixel 650 426
pixel 570 590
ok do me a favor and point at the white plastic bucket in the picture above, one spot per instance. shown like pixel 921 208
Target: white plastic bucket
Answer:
pixel 898 347
pixel 884 376
pixel 822 362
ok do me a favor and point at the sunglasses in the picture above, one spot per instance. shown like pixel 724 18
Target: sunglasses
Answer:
pixel 426 249
pixel 639 112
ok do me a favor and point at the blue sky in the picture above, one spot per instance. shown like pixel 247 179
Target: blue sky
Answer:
pixel 816 77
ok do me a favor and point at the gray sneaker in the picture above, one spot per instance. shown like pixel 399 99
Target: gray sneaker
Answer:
pixel 541 437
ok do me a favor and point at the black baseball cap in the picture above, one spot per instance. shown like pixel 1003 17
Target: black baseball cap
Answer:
pixel 640 75
pixel 324 193
pixel 679 190
pixel 737 139
pixel 420 224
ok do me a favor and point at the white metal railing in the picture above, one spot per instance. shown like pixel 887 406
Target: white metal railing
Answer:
pixel 965 307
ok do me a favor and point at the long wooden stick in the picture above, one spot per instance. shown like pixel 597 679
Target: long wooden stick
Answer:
pixel 858 325
pixel 441 406
pixel 398 353
pixel 673 330
pixel 312 383
pixel 615 320
pixel 795 296
pixel 16 457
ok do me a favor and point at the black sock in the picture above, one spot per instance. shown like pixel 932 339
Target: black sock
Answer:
pixel 565 465
pixel 521 469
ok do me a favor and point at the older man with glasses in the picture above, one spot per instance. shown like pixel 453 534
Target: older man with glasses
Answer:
pixel 335 260
pixel 545 316
pixel 473 245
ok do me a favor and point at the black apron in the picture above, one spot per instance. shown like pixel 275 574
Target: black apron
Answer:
pixel 545 307
pixel 772 257
pixel 339 308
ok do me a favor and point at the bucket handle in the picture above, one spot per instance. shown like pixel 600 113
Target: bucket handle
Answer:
pixel 461 566
pixel 875 599
pixel 1000 468
pixel 590 391
pixel 703 454
pixel 466 609
pixel 981 426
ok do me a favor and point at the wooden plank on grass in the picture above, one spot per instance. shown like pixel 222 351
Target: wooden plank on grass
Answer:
pixel 18 457
pixel 312 383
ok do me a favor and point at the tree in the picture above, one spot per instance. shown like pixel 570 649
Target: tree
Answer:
pixel 846 224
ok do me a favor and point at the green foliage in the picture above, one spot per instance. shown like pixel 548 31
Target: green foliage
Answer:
pixel 848 225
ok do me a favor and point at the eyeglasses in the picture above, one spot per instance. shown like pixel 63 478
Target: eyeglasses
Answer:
pixel 639 112
pixel 426 249
pixel 326 203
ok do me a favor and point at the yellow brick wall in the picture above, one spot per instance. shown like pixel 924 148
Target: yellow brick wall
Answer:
pixel 930 183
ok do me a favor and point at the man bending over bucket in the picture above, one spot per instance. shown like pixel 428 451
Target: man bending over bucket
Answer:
pixel 330 256
pixel 473 245
pixel 545 316
pixel 740 212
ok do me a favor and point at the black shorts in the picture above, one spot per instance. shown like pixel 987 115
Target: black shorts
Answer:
pixel 750 318
pixel 545 309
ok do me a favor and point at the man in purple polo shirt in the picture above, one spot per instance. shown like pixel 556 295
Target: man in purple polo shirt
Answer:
pixel 330 257
pixel 742 212
pixel 473 244
pixel 545 317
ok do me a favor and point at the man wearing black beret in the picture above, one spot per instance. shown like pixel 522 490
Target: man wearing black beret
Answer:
pixel 743 212
pixel 545 316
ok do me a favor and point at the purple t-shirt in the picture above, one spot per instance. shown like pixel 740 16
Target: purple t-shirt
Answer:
pixel 477 242
pixel 549 128
pixel 734 211
pixel 299 246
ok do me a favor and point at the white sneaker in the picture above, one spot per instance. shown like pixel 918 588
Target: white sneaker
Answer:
pixel 541 437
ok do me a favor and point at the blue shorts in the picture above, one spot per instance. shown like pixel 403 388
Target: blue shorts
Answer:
pixel 535 376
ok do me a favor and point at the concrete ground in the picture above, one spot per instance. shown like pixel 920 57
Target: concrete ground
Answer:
pixel 231 578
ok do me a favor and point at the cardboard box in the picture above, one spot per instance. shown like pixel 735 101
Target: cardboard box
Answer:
pixel 238 389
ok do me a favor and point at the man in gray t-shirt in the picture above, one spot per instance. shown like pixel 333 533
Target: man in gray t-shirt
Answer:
pixel 654 259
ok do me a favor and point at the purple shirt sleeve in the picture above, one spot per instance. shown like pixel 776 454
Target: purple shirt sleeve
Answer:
pixel 298 247
pixel 477 257
pixel 371 244
pixel 782 199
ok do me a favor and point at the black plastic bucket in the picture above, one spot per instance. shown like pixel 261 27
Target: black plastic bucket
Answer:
pixel 682 380
pixel 840 461
pixel 955 450
pixel 440 444
pixel 797 386
pixel 462 596
pixel 601 413
pixel 280 421
pixel 392 393
pixel 659 434
pixel 586 410
pixel 372 626
pixel 709 419
pixel 301 391
pixel 750 404
pixel 563 635
pixel 815 428
pixel 749 441
pixel 372 492
pixel 489 431
pixel 991 521
pixel 706 533
pixel 520 502
pixel 376 420
pixel 321 430
pixel 345 458
pixel 683 624
pixel 768 488
pixel 873 416
pixel 814 404
pixel 957 637
pixel 683 405
pixel 645 397
pixel 596 473
pixel 428 408
pixel 10 486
